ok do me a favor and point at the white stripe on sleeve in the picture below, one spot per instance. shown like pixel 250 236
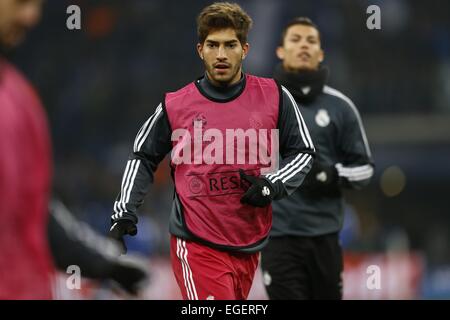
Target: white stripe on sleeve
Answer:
pixel 145 129
pixel 334 92
pixel 301 123
pixel 355 173
pixel 127 185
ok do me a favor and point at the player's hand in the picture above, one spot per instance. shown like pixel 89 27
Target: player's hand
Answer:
pixel 132 276
pixel 320 176
pixel 120 228
pixel 259 194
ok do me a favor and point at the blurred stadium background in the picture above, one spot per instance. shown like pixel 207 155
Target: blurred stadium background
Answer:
pixel 100 83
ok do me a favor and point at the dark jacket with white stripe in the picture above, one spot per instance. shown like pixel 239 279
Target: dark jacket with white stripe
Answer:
pixel 153 142
pixel 340 140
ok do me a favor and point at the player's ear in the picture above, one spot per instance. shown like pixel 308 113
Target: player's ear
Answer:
pixel 321 55
pixel 245 50
pixel 280 53
pixel 200 50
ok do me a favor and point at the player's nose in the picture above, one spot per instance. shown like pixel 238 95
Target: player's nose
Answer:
pixel 221 54
pixel 304 45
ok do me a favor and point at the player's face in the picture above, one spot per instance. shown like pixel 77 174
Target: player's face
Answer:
pixel 222 54
pixel 16 18
pixel 301 48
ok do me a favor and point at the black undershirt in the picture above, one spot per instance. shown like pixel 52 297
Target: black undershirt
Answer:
pixel 220 93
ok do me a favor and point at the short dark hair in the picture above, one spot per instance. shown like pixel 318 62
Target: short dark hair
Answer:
pixel 223 15
pixel 304 21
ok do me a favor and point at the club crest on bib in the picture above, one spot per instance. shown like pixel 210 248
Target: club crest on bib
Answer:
pixel 322 118
pixel 196 185
pixel 199 119
pixel 255 121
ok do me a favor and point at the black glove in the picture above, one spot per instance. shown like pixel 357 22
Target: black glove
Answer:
pixel 320 177
pixel 130 276
pixel 119 229
pixel 259 194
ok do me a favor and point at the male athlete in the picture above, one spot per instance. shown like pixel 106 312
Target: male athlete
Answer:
pixel 303 259
pixel 222 210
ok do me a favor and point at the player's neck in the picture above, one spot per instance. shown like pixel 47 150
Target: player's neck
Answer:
pixel 220 93
pixel 304 85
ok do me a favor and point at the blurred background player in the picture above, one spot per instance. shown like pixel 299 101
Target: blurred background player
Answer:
pixel 26 263
pixel 303 259
pixel 217 227
pixel 73 242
